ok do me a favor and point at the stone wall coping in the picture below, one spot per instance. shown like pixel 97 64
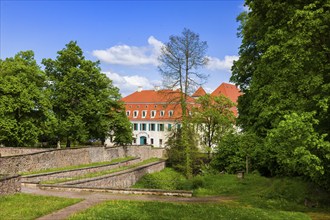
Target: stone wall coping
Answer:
pixel 48 150
pixel 181 193
pixel 77 169
pixel 4 177
pixel 64 149
pixel 74 182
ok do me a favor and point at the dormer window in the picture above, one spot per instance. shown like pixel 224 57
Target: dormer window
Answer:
pixel 162 113
pixel 144 114
pixel 135 113
pixel 153 114
pixel 170 113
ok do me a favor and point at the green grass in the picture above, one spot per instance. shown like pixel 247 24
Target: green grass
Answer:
pixel 160 210
pixel 166 179
pixel 277 194
pixel 25 206
pixel 100 173
pixel 117 160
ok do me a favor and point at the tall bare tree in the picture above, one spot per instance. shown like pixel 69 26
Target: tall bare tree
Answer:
pixel 180 61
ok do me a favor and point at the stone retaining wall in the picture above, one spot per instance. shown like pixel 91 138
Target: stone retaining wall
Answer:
pixel 70 157
pixel 12 151
pixel 76 172
pixel 10 184
pixel 123 179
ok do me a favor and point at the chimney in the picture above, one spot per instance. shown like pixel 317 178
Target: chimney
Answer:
pixel 139 88
pixel 157 88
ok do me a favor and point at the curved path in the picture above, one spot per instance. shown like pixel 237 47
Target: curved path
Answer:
pixel 93 198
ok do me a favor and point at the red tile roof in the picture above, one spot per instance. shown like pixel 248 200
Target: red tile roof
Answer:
pixel 152 96
pixel 228 90
pixel 167 100
pixel 199 92
pixel 159 101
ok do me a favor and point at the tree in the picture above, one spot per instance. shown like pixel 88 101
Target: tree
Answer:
pixel 214 118
pixel 120 126
pixel 180 60
pixel 296 149
pixel 177 148
pixel 82 96
pixel 283 70
pixel 284 63
pixel 25 110
pixel 237 150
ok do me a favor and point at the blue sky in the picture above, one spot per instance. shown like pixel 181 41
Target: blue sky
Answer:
pixel 124 35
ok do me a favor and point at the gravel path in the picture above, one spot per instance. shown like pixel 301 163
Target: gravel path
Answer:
pixel 93 198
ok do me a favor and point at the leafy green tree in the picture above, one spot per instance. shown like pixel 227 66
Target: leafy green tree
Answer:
pixel 283 70
pixel 239 151
pixel 284 63
pixel 25 110
pixel 180 60
pixel 214 118
pixel 120 126
pixel 178 148
pixel 296 149
pixel 82 96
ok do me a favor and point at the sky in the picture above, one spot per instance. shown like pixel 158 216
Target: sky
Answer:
pixel 126 36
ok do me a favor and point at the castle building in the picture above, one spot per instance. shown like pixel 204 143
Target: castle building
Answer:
pixel 154 113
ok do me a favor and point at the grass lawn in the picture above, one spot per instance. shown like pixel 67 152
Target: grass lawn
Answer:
pixel 26 206
pixel 117 160
pixel 100 173
pixel 254 191
pixel 160 210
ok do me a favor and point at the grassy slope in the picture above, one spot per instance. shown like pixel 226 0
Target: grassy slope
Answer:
pixel 25 206
pixel 280 194
pixel 100 173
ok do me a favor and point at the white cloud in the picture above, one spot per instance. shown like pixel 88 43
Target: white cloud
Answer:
pixel 129 84
pixel 217 64
pixel 131 55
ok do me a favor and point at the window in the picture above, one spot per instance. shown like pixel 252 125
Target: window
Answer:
pixel 135 127
pixel 160 142
pixel 160 127
pixel 162 113
pixel 134 140
pixel 170 113
pixel 128 113
pixel 153 114
pixel 152 141
pixel 155 106
pixel 169 127
pixel 135 113
pixel 152 127
pixel 144 114
pixel 178 126
pixel 146 106
pixel 143 127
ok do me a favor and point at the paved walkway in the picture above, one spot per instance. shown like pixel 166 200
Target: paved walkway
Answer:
pixel 93 198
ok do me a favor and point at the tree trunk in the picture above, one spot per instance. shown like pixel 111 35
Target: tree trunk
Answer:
pixel 68 143
pixel 247 164
pixel 58 144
